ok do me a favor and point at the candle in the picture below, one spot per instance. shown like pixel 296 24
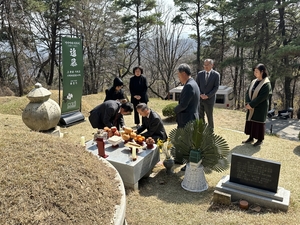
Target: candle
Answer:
pixel 133 153
pixel 82 141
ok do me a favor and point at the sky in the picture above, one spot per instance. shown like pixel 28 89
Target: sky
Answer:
pixel 187 30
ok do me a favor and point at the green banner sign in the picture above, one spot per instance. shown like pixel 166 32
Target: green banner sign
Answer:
pixel 72 61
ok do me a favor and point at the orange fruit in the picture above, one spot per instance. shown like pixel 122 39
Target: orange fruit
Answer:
pixel 132 135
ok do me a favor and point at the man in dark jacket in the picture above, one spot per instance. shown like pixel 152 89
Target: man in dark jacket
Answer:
pixel 151 122
pixel 188 105
pixel 110 113
pixel 187 108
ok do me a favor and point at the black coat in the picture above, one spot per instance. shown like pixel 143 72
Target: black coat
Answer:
pixel 111 94
pixel 106 115
pixel 154 127
pixel 187 108
pixel 138 85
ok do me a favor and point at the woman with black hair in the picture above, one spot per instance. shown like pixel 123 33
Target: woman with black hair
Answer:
pixel 115 92
pixel 138 86
pixel 257 104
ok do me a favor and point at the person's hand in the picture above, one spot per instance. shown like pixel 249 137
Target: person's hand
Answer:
pixel 248 106
pixel 203 96
pixel 137 97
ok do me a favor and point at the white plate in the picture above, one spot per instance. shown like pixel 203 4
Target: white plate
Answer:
pixel 114 140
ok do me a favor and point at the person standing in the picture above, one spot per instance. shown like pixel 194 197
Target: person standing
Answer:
pixel 138 87
pixel 208 81
pixel 187 108
pixel 115 92
pixel 188 104
pixel 257 104
pixel 151 122
pixel 109 113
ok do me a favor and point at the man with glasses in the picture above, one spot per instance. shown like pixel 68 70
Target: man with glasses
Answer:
pixel 151 122
pixel 208 81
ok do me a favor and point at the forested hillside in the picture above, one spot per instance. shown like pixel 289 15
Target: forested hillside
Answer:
pixel 118 35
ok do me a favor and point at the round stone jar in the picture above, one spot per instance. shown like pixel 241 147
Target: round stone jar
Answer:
pixel 42 113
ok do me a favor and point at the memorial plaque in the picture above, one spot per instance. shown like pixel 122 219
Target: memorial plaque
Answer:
pixel 254 172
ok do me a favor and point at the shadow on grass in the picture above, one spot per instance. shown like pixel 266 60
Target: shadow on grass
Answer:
pixel 297 151
pixel 234 206
pixel 168 188
pixel 169 120
pixel 244 149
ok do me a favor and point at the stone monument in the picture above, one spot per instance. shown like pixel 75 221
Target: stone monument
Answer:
pixel 42 113
pixel 255 180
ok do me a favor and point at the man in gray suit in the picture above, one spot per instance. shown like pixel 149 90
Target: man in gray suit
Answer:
pixel 151 122
pixel 208 81
pixel 187 108
pixel 110 113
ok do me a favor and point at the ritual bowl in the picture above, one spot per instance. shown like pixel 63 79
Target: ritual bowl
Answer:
pixel 150 146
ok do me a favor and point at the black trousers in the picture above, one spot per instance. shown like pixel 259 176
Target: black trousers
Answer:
pixel 136 114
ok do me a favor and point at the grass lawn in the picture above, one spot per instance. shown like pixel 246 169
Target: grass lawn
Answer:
pixel 160 199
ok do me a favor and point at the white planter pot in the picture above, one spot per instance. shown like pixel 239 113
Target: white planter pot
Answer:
pixel 194 178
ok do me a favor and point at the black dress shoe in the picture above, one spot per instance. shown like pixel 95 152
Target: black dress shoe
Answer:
pixel 183 168
pixel 249 140
pixel 258 143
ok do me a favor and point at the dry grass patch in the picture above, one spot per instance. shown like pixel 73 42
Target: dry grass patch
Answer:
pixel 47 181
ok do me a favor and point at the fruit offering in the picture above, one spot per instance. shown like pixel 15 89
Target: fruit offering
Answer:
pixel 139 139
pixel 129 135
pixel 111 131
pixel 150 142
pixel 127 130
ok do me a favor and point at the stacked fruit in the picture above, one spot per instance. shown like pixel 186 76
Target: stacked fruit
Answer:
pixel 150 142
pixel 129 135
pixel 111 131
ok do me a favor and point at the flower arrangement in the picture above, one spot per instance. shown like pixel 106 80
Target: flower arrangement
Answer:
pixel 165 147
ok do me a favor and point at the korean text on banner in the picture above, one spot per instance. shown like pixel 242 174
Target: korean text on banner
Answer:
pixel 72 61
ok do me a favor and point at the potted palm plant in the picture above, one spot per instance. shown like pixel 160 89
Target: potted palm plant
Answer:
pixel 202 149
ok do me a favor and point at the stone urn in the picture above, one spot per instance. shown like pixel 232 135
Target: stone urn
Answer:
pixel 42 113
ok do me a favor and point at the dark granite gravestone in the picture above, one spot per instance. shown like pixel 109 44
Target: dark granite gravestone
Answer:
pixel 254 172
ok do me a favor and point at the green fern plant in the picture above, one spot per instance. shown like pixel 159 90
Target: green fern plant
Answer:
pixel 198 136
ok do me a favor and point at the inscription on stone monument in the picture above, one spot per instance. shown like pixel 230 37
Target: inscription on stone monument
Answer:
pixel 254 172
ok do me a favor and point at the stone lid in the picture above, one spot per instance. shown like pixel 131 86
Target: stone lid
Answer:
pixel 38 94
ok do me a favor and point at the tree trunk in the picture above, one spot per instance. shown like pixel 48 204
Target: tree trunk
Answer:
pixel 53 44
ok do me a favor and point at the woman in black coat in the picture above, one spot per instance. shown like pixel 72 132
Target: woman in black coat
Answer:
pixel 115 92
pixel 138 86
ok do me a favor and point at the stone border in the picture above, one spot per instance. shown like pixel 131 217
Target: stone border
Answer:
pixel 120 210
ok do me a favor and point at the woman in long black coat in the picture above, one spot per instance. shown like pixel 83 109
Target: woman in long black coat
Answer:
pixel 138 86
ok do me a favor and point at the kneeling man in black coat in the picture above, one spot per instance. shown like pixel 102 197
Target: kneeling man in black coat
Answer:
pixel 110 113
pixel 151 122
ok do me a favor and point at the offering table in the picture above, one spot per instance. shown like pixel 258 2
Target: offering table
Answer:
pixel 120 157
